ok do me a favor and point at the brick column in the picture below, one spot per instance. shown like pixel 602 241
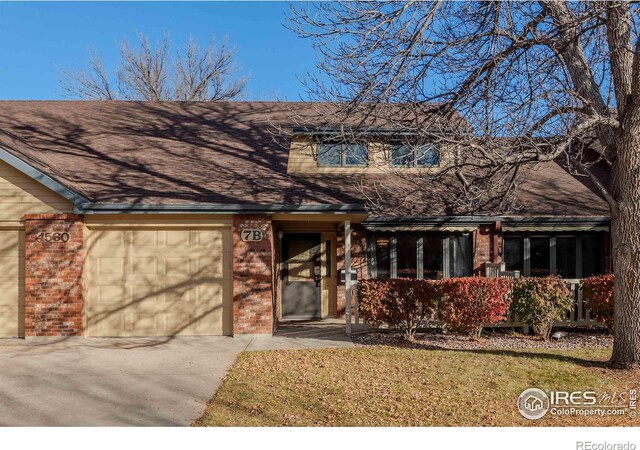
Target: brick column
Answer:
pixel 53 274
pixel 487 246
pixel 253 276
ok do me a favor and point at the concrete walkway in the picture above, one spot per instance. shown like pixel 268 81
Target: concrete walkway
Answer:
pixel 303 334
pixel 130 381
pixel 111 382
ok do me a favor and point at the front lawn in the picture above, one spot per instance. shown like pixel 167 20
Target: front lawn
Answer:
pixel 387 386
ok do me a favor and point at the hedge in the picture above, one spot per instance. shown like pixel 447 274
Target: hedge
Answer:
pixel 470 303
pixel 399 302
pixel 598 293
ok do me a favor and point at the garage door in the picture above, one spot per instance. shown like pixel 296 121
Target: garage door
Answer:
pixel 148 282
pixel 11 282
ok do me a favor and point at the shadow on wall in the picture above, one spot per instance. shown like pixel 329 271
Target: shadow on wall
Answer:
pixel 166 294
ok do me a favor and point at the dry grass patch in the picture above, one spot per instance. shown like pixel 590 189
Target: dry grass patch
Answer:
pixel 386 386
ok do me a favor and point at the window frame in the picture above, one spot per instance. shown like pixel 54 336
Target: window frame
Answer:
pixel 343 153
pixel 414 152
pixel 553 269
pixel 446 253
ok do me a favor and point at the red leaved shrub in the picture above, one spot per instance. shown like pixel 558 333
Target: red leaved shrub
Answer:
pixel 400 302
pixel 472 302
pixel 598 293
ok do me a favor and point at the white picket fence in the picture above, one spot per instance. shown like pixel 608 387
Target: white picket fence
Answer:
pixel 578 316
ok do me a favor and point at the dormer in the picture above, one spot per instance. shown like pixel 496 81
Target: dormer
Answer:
pixel 336 153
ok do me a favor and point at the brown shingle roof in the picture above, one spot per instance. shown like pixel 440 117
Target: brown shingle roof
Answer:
pixel 210 153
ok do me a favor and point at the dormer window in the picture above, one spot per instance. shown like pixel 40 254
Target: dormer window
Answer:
pixel 342 154
pixel 405 155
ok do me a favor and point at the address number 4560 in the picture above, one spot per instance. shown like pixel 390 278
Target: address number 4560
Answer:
pixel 52 237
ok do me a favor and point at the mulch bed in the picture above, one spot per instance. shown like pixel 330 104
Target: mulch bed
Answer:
pixel 434 340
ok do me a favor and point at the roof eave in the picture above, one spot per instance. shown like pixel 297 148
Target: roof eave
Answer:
pixel 93 208
pixel 42 178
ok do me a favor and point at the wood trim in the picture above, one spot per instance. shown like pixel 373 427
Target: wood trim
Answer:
pixel 329 293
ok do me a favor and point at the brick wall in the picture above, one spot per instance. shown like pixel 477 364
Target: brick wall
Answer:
pixel 358 262
pixel 253 277
pixel 53 274
pixel 486 246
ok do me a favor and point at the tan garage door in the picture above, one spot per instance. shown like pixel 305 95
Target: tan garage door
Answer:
pixel 11 282
pixel 148 282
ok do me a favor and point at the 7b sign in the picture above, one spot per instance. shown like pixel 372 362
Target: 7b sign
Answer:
pixel 252 235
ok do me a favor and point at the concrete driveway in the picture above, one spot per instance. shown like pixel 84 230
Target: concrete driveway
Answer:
pixel 111 382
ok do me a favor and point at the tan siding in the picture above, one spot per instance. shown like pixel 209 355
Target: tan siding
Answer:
pixel 20 195
pixel 11 283
pixel 302 159
pixel 142 281
pixel 156 220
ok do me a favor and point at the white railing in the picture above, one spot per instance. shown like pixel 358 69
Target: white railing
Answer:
pixel 497 270
pixel 578 316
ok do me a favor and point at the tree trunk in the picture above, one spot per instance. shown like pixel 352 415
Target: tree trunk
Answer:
pixel 625 234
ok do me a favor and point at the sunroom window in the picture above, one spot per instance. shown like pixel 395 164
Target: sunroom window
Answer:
pixel 404 155
pixel 342 154
pixel 419 255
pixel 570 256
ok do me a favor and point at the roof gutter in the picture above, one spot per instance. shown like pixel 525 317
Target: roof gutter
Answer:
pixel 93 208
pixel 510 223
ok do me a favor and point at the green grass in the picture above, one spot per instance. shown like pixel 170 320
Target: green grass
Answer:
pixel 387 386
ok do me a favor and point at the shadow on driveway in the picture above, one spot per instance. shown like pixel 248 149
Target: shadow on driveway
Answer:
pixel 111 382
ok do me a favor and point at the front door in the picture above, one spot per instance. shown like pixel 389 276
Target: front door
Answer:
pixel 301 276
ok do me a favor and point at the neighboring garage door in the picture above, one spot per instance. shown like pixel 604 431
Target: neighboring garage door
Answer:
pixel 158 282
pixel 11 282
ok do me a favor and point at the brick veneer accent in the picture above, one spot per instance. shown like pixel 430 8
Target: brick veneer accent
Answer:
pixel 486 246
pixel 53 276
pixel 358 262
pixel 253 294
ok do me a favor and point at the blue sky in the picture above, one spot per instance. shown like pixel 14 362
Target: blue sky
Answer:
pixel 39 39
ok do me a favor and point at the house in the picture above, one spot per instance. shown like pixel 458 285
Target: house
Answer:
pixel 146 219
pixel 533 403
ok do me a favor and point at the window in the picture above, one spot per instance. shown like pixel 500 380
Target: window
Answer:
pixel 570 257
pixel 340 154
pixel 513 253
pixel 407 266
pixel 539 257
pixel 460 259
pixel 401 156
pixel 566 256
pixel 592 260
pixel 383 257
pixel 355 155
pixel 329 155
pixel 432 257
pixel 409 156
pixel 427 156
pixel 415 255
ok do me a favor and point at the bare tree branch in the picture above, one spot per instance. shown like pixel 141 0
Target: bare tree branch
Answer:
pixel 91 85
pixel 152 73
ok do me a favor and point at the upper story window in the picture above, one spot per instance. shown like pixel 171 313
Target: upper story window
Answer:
pixel 342 154
pixel 404 155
